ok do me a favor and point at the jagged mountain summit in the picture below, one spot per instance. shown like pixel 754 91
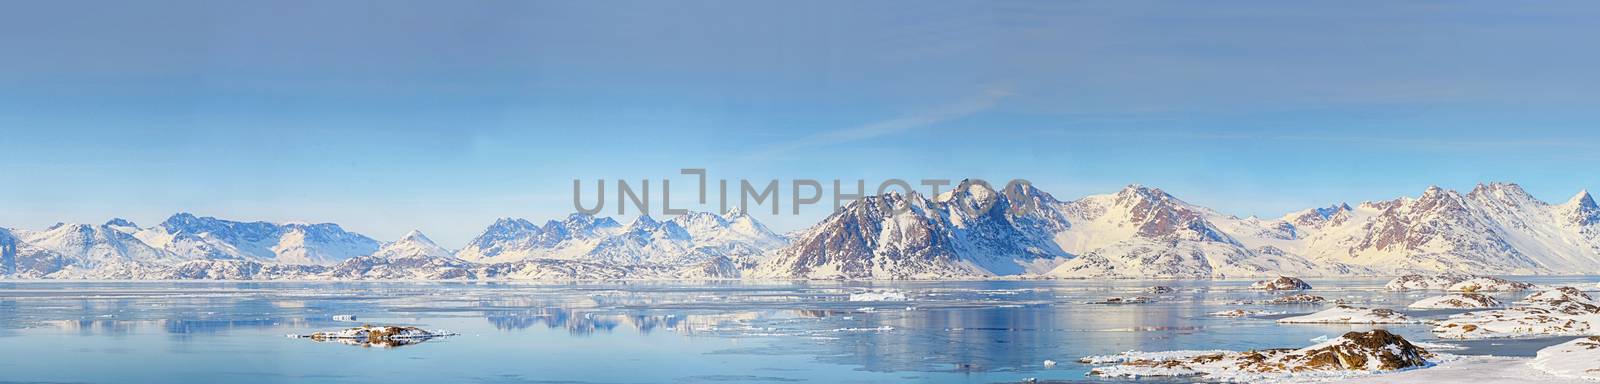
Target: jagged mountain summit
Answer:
pixel 190 237
pixel 684 240
pixel 511 239
pixel 971 231
pixel 1497 228
pixel 1146 232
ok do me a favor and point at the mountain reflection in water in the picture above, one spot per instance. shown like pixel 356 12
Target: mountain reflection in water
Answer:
pixel 983 331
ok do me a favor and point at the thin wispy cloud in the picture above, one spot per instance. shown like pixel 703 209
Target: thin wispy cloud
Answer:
pixel 1409 142
pixel 984 101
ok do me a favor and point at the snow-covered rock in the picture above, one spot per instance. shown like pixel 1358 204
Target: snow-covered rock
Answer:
pixel 1160 289
pixel 1298 298
pixel 1282 283
pixel 1557 295
pixel 1489 284
pixel 1438 282
pixel 1125 300
pixel 1575 359
pixel 1345 314
pixel 1563 311
pixel 1132 356
pixel 1456 282
pixel 1372 351
pixel 1456 300
pixel 383 336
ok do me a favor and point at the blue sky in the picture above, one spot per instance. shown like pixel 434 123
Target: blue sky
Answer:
pixel 389 115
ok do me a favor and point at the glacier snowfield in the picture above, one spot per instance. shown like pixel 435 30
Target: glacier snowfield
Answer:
pixel 660 332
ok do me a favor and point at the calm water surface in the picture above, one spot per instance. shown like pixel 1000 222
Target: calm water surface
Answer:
pixel 644 332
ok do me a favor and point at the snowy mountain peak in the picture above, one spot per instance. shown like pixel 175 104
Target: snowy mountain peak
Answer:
pixel 1318 217
pixel 1135 194
pixel 1581 210
pixel 416 235
pixel 120 222
pixel 976 189
pixel 644 222
pixel 1582 200
pixel 180 220
pixel 580 225
pixel 970 194
pixel 734 212
pixel 585 220
pixel 1435 198
pixel 1500 187
pixel 1502 193
pixel 511 224
pixel 1028 190
pixel 413 245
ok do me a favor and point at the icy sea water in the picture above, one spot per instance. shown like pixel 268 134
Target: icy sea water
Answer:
pixel 646 332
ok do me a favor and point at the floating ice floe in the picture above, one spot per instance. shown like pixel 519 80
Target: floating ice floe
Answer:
pixel 877 329
pixel 1456 300
pixel 383 336
pixel 344 317
pixel 1345 314
pixel 1282 283
pixel 1131 356
pixel 1243 313
pixel 1373 351
pixel 1438 346
pixel 886 295
pixel 1563 311
pixel 1456 282
pixel 1124 300
pixel 1575 359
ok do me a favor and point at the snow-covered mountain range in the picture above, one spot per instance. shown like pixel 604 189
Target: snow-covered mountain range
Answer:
pixel 971 231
